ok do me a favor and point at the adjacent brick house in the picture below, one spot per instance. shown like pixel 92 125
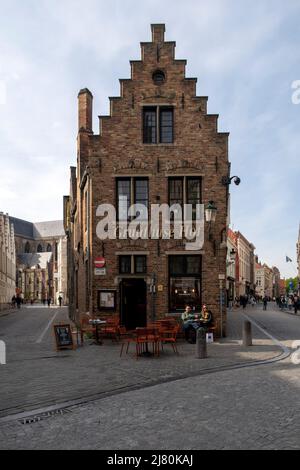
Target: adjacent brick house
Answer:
pixel 7 261
pixel 298 259
pixel 264 280
pixel 232 266
pixel 246 269
pixel 158 145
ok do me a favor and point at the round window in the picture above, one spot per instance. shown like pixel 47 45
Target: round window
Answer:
pixel 158 77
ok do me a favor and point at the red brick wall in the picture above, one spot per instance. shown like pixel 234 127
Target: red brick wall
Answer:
pixel 198 149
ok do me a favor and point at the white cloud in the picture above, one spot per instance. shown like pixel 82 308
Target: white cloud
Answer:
pixel 244 54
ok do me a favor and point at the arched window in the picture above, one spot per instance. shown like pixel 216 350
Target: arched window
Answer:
pixel 49 248
pixel 27 247
pixel 39 248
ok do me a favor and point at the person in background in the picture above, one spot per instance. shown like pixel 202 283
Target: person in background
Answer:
pixel 18 301
pixel 49 301
pixel 60 300
pixel 281 302
pixel 296 303
pixel 265 302
pixel 244 301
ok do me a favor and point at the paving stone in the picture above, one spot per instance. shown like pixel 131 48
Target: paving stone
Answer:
pixel 250 408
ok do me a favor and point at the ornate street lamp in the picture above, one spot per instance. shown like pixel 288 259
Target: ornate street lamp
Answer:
pixel 210 216
pixel 210 212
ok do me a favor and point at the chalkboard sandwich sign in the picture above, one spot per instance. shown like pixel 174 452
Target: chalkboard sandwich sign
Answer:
pixel 63 336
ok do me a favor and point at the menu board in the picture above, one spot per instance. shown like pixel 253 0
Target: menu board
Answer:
pixel 63 336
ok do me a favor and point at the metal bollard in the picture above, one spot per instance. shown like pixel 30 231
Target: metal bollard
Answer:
pixel 201 347
pixel 247 334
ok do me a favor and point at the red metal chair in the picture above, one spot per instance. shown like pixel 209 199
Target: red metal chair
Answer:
pixel 169 336
pixel 85 326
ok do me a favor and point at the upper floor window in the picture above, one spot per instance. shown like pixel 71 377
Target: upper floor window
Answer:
pixel 185 190
pixel 158 125
pixel 131 191
pixel 166 125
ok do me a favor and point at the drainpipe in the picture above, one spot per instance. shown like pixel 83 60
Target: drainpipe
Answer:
pixel 153 293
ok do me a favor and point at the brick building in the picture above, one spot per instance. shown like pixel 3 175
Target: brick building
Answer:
pixel 158 145
pixel 264 280
pixel 231 267
pixel 282 287
pixel 298 259
pixel 246 266
pixel 7 261
pixel 276 282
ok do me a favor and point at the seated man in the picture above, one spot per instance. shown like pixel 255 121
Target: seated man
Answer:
pixel 186 314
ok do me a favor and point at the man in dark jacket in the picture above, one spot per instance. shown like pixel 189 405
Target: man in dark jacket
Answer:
pixel 296 304
pixel 18 301
pixel 265 302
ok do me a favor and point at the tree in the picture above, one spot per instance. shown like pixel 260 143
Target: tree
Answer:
pixel 290 288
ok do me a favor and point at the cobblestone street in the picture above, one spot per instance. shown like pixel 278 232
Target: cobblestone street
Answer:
pixel 149 291
pixel 121 400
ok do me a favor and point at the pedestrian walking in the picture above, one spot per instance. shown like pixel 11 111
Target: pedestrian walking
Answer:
pixel 244 301
pixel 296 304
pixel 281 302
pixel 18 301
pixel 60 300
pixel 13 301
pixel 49 301
pixel 265 302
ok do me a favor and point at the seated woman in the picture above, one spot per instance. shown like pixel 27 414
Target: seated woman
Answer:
pixel 205 318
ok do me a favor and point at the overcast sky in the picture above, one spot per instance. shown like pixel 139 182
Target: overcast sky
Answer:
pixel 245 54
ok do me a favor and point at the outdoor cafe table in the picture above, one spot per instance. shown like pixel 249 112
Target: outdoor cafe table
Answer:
pixel 98 324
pixel 146 331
